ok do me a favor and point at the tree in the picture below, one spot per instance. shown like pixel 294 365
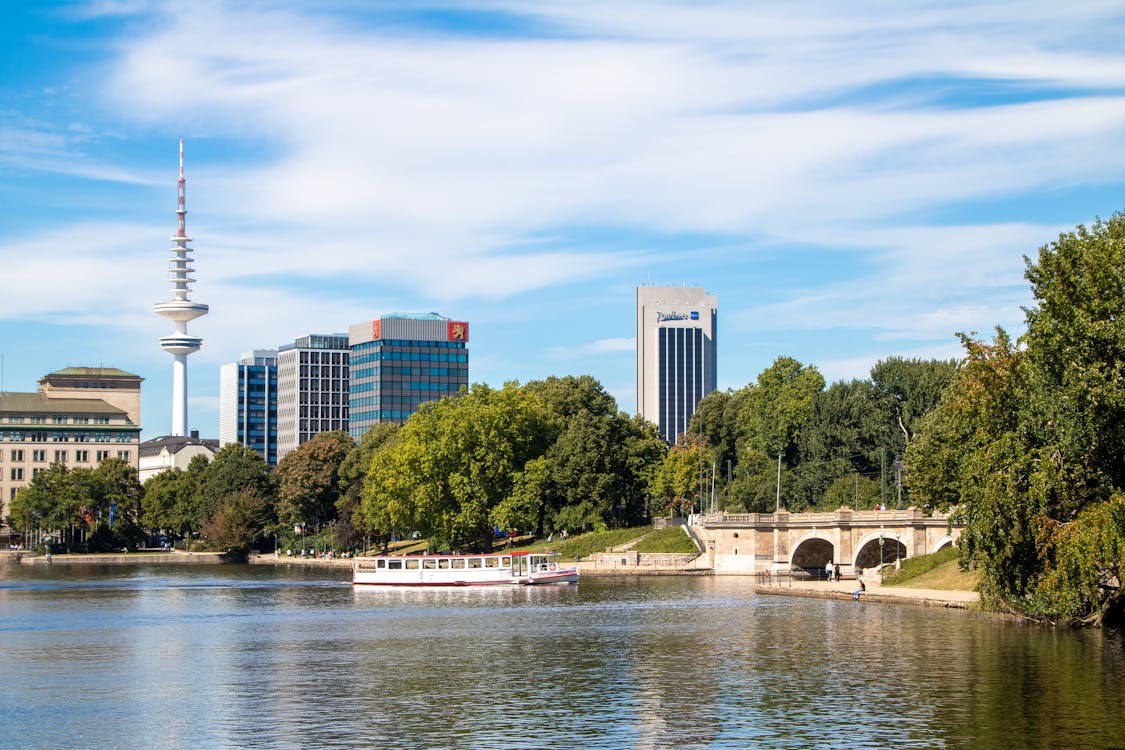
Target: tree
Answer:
pixel 1030 440
pixel 844 436
pixel 234 468
pixel 238 520
pixel 675 483
pixel 778 407
pixel 308 479
pixel 454 462
pixel 166 505
pixel 570 395
pixel 908 389
pixel 353 470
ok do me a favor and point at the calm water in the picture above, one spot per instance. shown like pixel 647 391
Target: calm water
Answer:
pixel 233 657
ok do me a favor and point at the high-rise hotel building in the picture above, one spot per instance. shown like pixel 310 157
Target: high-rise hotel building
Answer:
pixel 676 340
pixel 248 403
pixel 312 389
pixel 399 362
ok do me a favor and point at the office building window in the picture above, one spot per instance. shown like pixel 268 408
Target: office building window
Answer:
pixel 17 455
pixel 17 474
pixel 80 456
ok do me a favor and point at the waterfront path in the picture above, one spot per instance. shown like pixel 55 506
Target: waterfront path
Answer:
pixel 875 593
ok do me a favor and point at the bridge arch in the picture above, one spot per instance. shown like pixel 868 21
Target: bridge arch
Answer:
pixel 941 543
pixel 867 549
pixel 812 550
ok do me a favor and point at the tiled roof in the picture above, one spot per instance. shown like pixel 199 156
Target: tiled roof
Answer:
pixel 37 403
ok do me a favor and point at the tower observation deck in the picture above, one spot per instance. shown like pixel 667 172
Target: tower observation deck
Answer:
pixel 180 309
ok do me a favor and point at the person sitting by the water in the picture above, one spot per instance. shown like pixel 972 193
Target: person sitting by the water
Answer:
pixel 861 590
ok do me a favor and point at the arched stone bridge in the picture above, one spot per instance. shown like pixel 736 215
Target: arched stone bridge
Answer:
pixel 751 542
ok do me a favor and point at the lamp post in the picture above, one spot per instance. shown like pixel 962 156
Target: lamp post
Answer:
pixel 880 554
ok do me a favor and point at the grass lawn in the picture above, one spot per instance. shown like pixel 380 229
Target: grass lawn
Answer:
pixel 669 539
pixel 940 570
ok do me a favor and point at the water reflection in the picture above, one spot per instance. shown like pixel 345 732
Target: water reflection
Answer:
pixel 262 657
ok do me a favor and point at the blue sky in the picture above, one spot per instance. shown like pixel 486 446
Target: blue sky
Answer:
pixel 853 180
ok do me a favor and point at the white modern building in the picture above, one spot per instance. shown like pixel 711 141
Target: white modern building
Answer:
pixel 312 389
pixel 677 329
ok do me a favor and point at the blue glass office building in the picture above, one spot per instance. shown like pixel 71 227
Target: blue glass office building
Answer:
pixel 248 403
pixel 399 362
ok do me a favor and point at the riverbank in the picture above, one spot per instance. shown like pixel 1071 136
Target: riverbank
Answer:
pixel 951 599
pixel 121 558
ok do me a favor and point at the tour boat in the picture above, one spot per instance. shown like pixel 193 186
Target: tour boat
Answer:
pixel 509 568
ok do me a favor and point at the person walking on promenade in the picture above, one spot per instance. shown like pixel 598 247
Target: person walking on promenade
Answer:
pixel 836 572
pixel 828 571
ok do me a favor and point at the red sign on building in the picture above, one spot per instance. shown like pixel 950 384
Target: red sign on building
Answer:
pixel 376 330
pixel 458 331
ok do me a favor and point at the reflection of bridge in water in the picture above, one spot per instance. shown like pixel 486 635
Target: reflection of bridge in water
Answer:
pixel 856 539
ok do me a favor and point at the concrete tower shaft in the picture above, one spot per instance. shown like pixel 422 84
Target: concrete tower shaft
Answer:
pixel 180 309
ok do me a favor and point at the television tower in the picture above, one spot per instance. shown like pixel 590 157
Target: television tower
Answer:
pixel 180 310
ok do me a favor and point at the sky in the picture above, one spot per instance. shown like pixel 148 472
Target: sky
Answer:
pixel 854 181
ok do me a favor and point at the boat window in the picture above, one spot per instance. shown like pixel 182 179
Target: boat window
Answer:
pixel 429 564
pixel 412 564
pixel 443 564
pixel 474 562
pixel 505 562
pixel 458 564
pixel 491 562
pixel 394 564
pixel 380 563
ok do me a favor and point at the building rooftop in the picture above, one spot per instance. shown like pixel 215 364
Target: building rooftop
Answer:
pixel 93 372
pixel 37 403
pixel 175 444
pixel 414 316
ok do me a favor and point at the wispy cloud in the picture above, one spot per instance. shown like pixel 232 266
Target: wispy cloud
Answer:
pixel 383 161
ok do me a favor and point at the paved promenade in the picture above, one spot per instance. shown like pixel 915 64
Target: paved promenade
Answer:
pixel 875 593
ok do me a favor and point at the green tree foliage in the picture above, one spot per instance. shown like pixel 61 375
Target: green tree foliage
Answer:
pixel 571 395
pixel 353 470
pixel 78 503
pixel 238 519
pixel 907 390
pixel 454 462
pixel 778 407
pixel 774 412
pixel 717 417
pixel 46 503
pixel 676 483
pixel 167 502
pixel 308 479
pixel 233 469
pixel 844 436
pixel 1030 440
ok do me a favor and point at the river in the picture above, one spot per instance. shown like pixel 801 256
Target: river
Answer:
pixel 290 657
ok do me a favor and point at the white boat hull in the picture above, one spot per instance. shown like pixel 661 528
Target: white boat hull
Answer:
pixel 511 569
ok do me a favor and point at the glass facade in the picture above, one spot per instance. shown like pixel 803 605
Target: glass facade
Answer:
pixel 392 378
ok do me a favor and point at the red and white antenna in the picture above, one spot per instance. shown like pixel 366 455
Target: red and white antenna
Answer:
pixel 181 206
